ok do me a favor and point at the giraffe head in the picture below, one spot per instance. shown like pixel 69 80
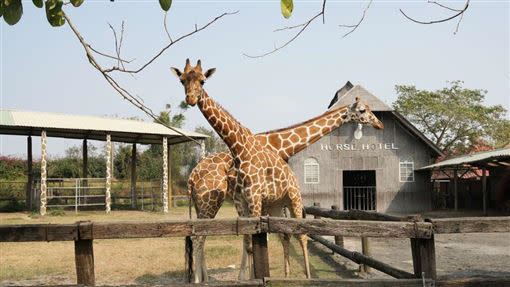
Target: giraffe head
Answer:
pixel 193 79
pixel 361 113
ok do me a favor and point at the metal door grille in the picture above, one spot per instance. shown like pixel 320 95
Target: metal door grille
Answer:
pixel 359 197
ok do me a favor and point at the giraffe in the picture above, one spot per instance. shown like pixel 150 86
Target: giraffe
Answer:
pixel 210 183
pixel 264 182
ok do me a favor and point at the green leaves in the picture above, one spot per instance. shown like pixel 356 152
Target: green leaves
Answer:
pixel 287 7
pixel 165 4
pixel 77 3
pixel 54 13
pixel 1 8
pixel 38 3
pixel 12 11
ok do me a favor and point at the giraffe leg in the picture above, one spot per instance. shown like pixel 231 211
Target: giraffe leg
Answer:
pixel 203 266
pixel 197 265
pixel 296 211
pixel 284 238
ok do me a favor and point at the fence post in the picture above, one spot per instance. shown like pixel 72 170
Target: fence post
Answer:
pixel 365 249
pixel 84 256
pixel 317 204
pixel 424 257
pixel 339 240
pixel 260 256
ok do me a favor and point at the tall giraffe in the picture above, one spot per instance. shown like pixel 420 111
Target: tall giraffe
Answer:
pixel 264 181
pixel 209 184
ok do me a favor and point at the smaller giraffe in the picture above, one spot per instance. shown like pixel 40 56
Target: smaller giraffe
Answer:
pixel 211 181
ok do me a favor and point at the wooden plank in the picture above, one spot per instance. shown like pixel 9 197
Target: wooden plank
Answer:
pixel 352 214
pixel 362 259
pixel 104 230
pixel 275 282
pixel 472 282
pixel 350 228
pixel 260 256
pixel 38 232
pixel 471 224
pixel 247 283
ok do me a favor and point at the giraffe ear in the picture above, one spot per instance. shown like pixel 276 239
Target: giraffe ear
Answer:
pixel 176 72
pixel 209 72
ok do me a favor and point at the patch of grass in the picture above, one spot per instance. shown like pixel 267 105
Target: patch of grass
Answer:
pixel 56 211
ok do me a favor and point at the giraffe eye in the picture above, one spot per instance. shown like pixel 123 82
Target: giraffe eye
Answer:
pixel 182 82
pixel 202 82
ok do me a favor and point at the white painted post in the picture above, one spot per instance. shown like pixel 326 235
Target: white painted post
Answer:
pixel 202 146
pixel 165 175
pixel 108 199
pixel 42 208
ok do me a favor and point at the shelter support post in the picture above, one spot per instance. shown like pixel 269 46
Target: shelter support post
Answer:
pixel 85 163
pixel 30 179
pixel 134 195
pixel 165 175
pixel 42 207
pixel 424 257
pixel 456 189
pixel 169 166
pixel 85 167
pixel 484 189
pixel 108 199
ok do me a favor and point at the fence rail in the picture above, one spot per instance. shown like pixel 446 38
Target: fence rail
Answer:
pixel 421 234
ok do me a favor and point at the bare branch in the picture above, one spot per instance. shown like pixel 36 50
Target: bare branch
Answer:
pixel 355 26
pixel 166 28
pixel 109 56
pixel 159 53
pixel 459 13
pixel 303 27
pixel 125 94
pixel 443 6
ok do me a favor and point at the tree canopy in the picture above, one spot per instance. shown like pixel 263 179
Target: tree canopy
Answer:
pixel 454 117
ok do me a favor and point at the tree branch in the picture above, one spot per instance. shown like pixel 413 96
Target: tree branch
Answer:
pixel 355 26
pixel 303 27
pixel 160 52
pixel 125 94
pixel 459 13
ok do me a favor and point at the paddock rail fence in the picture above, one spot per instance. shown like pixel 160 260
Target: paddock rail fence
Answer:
pixel 84 233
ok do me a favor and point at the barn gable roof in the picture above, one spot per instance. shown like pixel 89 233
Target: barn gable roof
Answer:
pixel 347 95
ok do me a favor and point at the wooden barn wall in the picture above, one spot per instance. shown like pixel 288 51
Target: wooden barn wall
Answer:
pixel 392 195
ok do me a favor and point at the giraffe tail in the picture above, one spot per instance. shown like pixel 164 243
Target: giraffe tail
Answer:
pixel 190 198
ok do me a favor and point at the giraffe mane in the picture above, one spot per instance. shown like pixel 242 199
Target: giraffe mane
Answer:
pixel 304 122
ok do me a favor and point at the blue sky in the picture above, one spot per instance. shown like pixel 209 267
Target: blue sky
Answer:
pixel 45 69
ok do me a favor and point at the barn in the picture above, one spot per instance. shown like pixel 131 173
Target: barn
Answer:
pixel 377 171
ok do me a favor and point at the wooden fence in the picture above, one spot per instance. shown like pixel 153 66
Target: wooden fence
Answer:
pixel 83 234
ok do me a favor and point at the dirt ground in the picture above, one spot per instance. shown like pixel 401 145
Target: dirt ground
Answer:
pixel 161 260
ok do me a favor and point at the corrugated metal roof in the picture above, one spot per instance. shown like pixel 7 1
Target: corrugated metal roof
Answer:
pixel 472 158
pixel 74 126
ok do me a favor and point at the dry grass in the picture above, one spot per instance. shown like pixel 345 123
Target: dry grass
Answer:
pixel 159 260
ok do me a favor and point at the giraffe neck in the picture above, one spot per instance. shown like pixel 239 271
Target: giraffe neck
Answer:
pixel 236 136
pixel 289 141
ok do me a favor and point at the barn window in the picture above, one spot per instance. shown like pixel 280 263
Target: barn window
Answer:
pixel 311 170
pixel 406 170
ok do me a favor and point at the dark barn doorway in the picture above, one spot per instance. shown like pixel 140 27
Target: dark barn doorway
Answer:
pixel 359 189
